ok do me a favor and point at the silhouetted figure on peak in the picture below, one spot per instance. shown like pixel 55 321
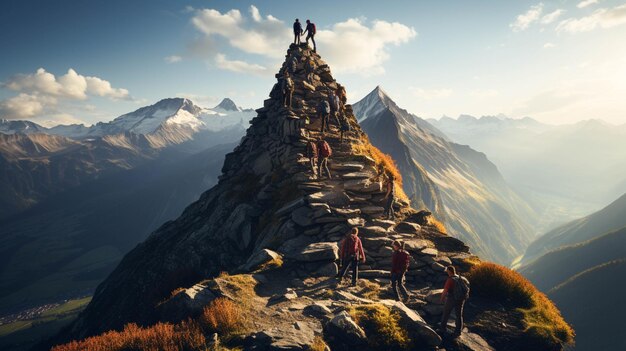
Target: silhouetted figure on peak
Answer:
pixel 297 31
pixel 310 28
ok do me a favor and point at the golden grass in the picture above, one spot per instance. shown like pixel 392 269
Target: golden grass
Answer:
pixel 384 163
pixel 368 289
pixel 161 336
pixel 318 344
pixel 542 319
pixel 224 317
pixel 381 326
pixel 438 225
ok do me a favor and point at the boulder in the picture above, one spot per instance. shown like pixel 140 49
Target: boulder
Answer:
pixel 318 308
pixel 299 335
pixel 344 330
pixel 321 251
pixel 357 175
pixel 349 213
pixel 408 227
pixel 356 222
pixel 383 223
pixel 362 186
pixel 327 270
pixel 371 274
pixel 468 342
pixel 416 245
pixel 372 210
pixel 261 258
pixel 186 303
pixel 415 321
pixel 421 217
pixel 374 231
pixel 434 296
pixel 303 216
pixel 429 252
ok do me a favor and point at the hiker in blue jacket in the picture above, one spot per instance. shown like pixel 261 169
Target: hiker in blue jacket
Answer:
pixel 297 31
pixel 310 28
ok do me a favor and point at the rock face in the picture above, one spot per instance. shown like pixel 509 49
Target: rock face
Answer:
pixel 269 206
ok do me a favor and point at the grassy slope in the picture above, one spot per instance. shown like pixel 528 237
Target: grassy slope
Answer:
pixel 21 335
pixel 593 302
pixel 608 219
pixel 559 265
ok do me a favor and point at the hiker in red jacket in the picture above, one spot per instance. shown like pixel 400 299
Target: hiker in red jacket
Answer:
pixel 324 152
pixel 455 293
pixel 399 265
pixel 351 253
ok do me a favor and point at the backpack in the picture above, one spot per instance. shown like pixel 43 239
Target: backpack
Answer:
pixel 314 29
pixel 324 149
pixel 461 288
pixel 324 107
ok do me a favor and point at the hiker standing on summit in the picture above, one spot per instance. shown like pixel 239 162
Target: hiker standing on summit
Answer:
pixel 297 31
pixel 455 293
pixel 310 28
pixel 351 253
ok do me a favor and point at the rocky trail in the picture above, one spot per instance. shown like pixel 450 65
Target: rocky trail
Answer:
pixel 275 228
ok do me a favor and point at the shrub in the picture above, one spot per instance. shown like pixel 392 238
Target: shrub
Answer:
pixel 161 336
pixel 318 344
pixel 438 225
pixel 223 317
pixel 384 162
pixel 242 284
pixel 369 289
pixel 381 326
pixel 541 317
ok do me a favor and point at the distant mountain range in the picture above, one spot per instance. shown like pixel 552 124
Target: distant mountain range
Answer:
pixel 564 171
pixel 457 182
pixel 74 199
pixel 583 270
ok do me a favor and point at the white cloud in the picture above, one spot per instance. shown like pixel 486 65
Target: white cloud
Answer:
pixel 548 45
pixel 601 18
pixel 58 119
pixel 586 3
pixel 70 85
pixel 526 19
pixel 238 66
pixel 173 59
pixel 354 47
pixel 552 16
pixel 430 94
pixel 255 35
pixel 24 106
pixel 484 93
pixel 351 46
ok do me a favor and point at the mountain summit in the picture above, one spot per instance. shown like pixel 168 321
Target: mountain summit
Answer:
pixel 266 239
pixel 227 105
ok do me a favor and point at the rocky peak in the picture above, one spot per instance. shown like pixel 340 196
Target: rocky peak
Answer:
pixel 227 105
pixel 268 207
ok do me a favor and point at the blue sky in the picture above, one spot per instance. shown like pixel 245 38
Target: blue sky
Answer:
pixel 557 61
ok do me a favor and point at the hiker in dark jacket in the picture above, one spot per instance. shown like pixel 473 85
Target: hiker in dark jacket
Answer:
pixel 310 28
pixel 351 253
pixel 323 112
pixel 292 64
pixel 399 265
pixel 390 196
pixel 324 152
pixel 309 67
pixel 287 89
pixel 344 126
pixel 312 154
pixel 335 106
pixel 454 297
pixel 297 31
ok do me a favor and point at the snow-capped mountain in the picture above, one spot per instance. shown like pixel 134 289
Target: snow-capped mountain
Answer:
pixel 24 127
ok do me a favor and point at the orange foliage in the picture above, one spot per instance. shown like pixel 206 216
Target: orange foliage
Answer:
pixel 541 317
pixel 223 316
pixel 161 336
pixel 384 162
pixel 439 226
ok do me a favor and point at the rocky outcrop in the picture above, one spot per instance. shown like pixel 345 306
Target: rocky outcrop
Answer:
pixel 268 205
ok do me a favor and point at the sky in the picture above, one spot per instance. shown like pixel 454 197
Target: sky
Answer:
pixel 84 61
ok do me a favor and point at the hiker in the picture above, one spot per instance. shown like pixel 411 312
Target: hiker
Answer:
pixel 344 127
pixel 324 152
pixel 287 89
pixel 297 31
pixel 310 27
pixel 455 293
pixel 351 253
pixel 323 112
pixel 399 265
pixel 335 106
pixel 310 69
pixel 292 64
pixel 341 92
pixel 389 196
pixel 312 154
